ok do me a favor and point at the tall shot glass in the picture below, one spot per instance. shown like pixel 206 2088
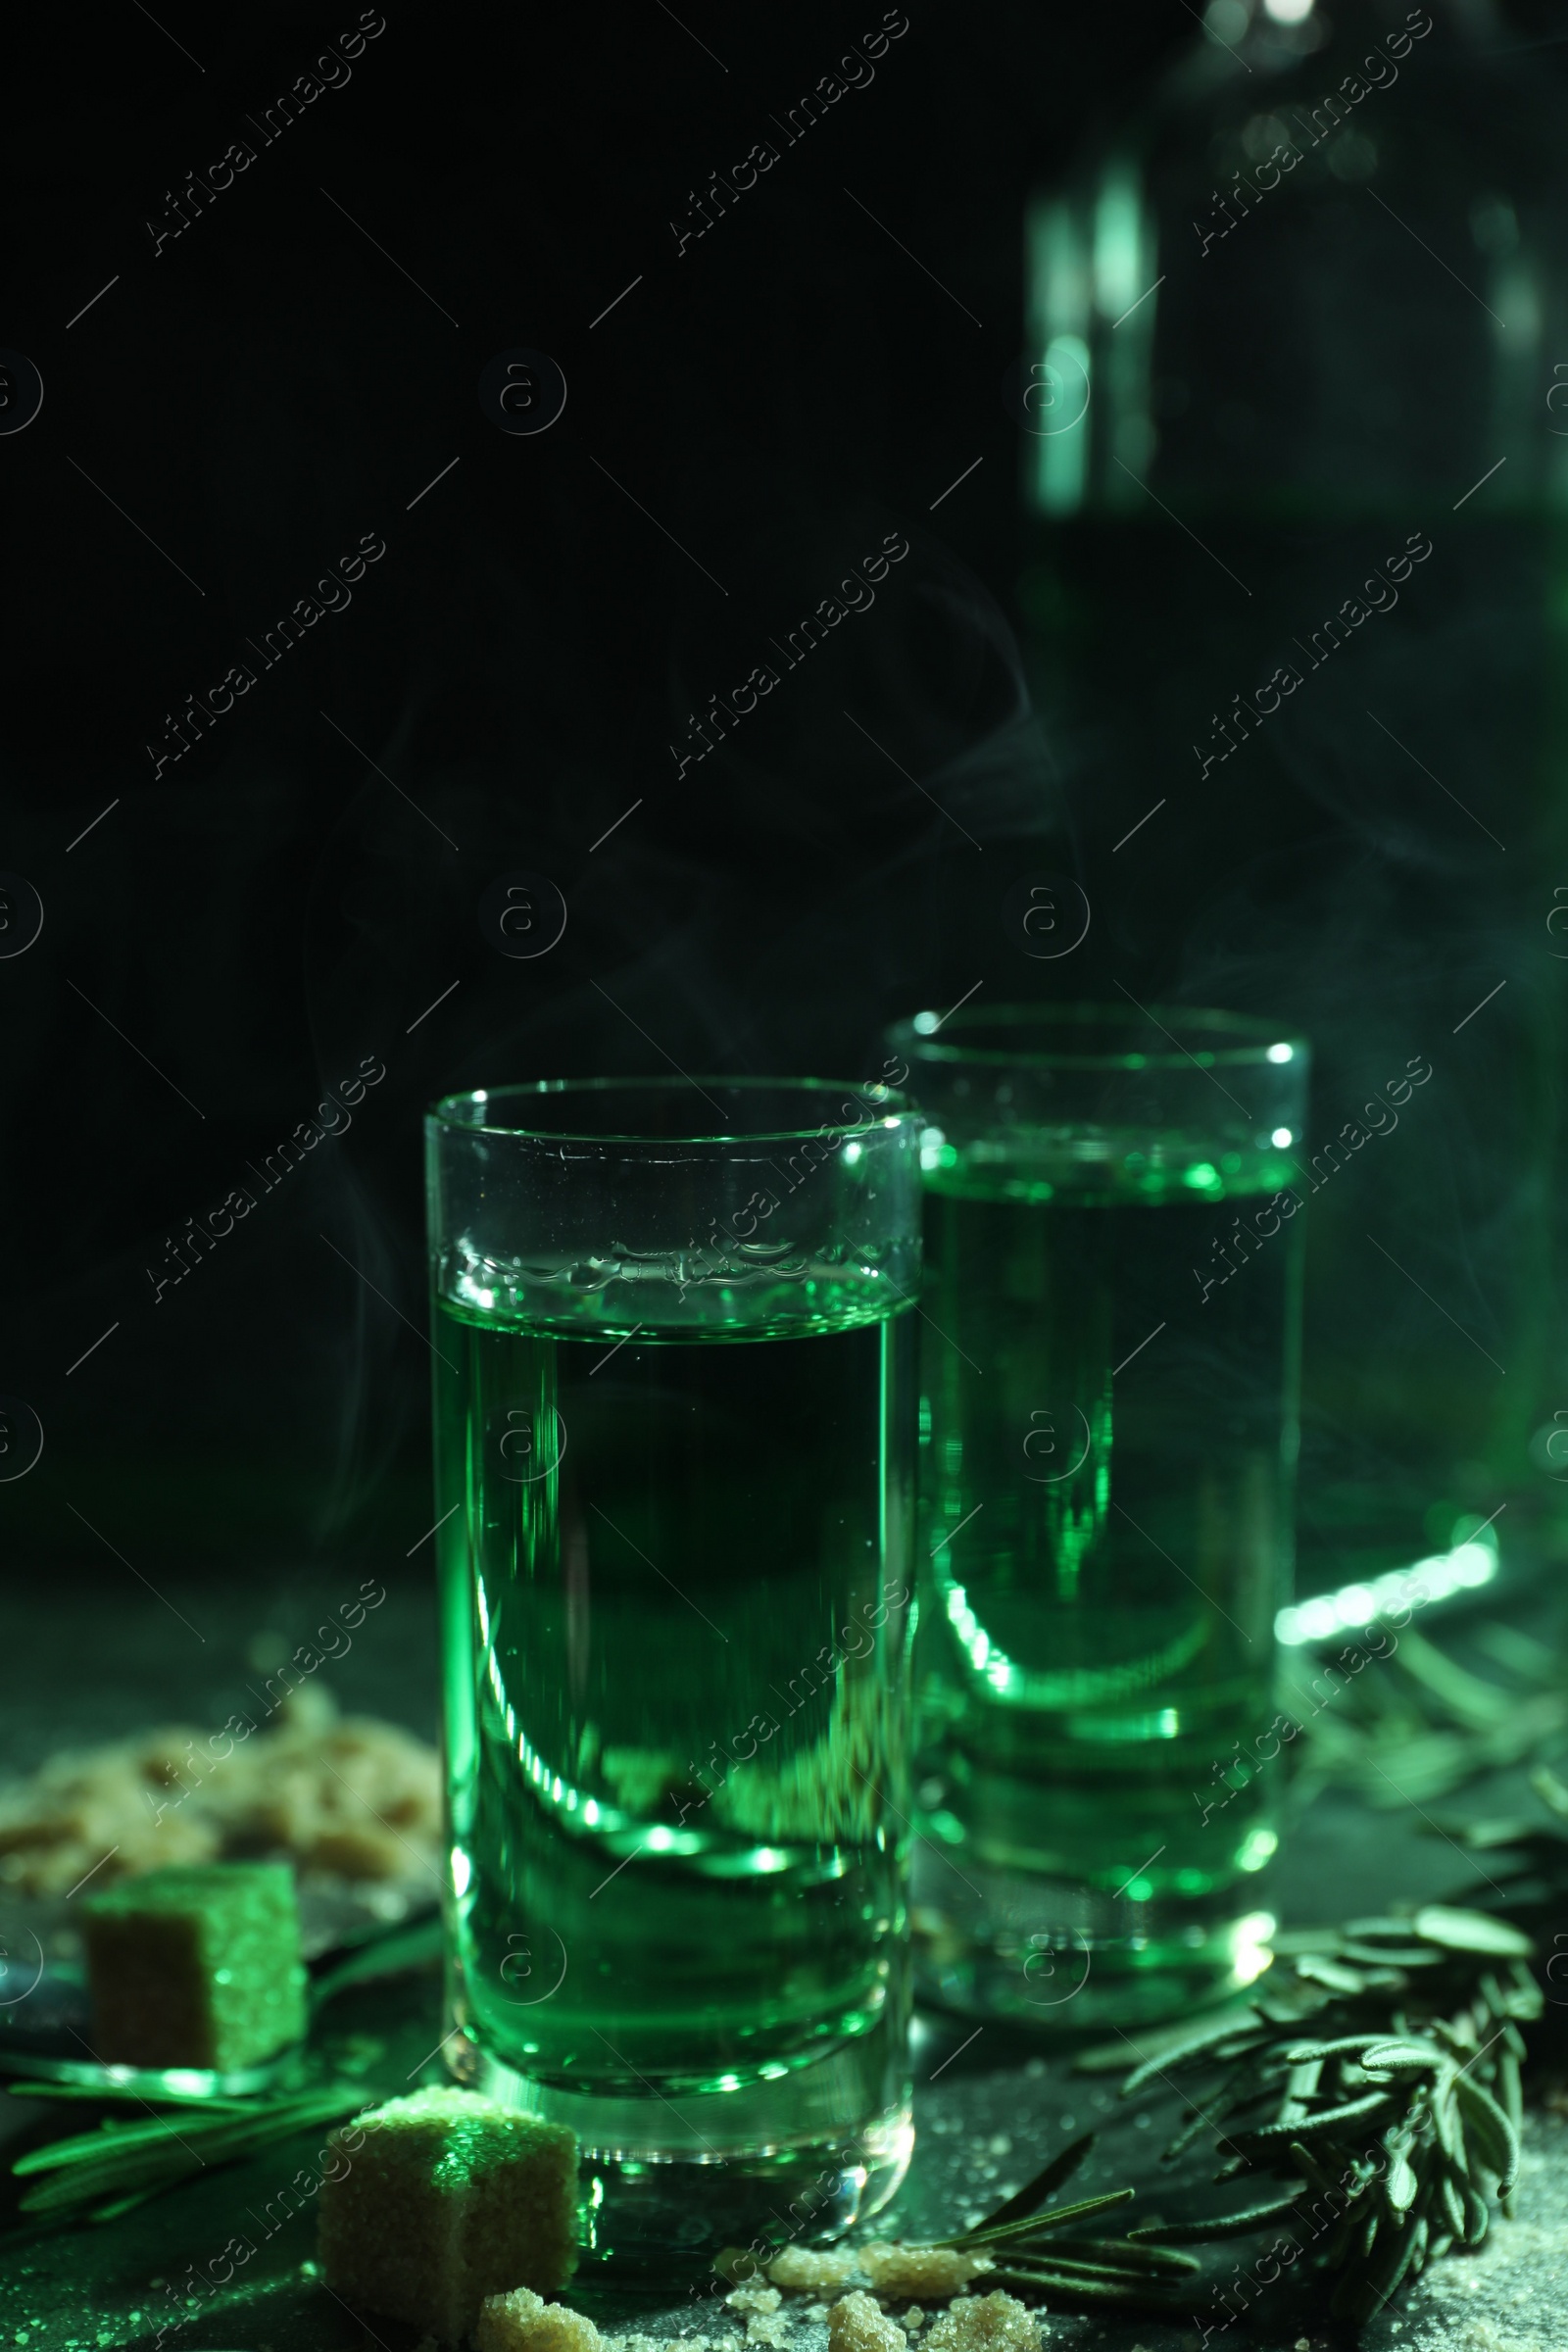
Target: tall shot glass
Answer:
pixel 1108 1445
pixel 674 1442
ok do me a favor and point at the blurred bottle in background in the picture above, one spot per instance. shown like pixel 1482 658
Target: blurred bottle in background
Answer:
pixel 1296 593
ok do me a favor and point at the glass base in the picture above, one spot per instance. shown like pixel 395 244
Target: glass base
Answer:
pixel 669 2182
pixel 1052 1957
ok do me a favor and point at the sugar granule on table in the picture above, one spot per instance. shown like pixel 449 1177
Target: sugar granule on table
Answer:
pixel 447 2199
pixel 196 1965
pixel 934 2270
pixel 856 2324
pixel 994 2323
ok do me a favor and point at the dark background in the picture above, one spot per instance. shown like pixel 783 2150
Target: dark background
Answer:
pixel 241 929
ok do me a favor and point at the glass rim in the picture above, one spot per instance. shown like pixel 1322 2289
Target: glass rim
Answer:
pixel 1257 1042
pixel 453 1114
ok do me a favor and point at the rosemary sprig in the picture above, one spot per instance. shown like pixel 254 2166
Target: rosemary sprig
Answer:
pixel 1432 1723
pixel 97 2174
pixel 1396 2124
pixel 1389 2130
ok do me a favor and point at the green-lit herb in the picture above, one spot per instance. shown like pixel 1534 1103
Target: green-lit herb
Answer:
pixel 1424 1725
pixel 1395 2122
pixel 96 2175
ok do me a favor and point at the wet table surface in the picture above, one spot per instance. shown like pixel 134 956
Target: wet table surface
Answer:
pixel 990 2108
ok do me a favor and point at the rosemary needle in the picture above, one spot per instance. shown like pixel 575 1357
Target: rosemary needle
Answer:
pixel 1035 2225
pixel 102 2174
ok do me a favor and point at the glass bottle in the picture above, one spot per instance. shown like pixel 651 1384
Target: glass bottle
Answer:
pixel 1295 590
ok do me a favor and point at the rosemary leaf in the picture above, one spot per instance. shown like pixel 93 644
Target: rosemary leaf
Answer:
pixel 1333 1975
pixel 120 2139
pixel 29 2086
pixel 1132 2252
pixel 1196 2124
pixel 1471 1932
pixel 1034 2193
pixel 1128 2295
pixel 1445 2118
pixel 119 2205
pixel 1497 2141
pixel 380 1955
pixel 1512 2090
pixel 1036 2224
pixel 1401 2057
pixel 1308 2166
pixel 1056 2266
pixel 1225 2224
pixel 1184 2051
pixel 1477 2215
pixel 1072 2267
pixel 1401 2186
pixel 1301 2053
pixel 1400 1956
pixel 1452 2204
pixel 1361 2292
pixel 1325 2123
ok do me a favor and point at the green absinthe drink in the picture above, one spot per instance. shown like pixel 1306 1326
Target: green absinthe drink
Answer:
pixel 674 1451
pixel 1107 1434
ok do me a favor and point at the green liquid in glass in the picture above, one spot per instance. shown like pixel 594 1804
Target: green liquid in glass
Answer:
pixel 1107 1454
pixel 677 1695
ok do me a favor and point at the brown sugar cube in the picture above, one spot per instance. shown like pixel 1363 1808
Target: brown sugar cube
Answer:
pixel 448 2199
pixel 196 1966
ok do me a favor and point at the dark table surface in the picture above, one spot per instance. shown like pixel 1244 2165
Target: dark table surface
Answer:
pixel 985 2119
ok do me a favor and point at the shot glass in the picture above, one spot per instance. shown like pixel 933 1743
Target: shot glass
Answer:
pixel 674 1463
pixel 1108 1378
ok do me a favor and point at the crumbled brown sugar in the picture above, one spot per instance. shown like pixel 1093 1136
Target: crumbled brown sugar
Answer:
pixel 807 2272
pixel 753 2298
pixel 856 2324
pixel 994 2323
pixel 521 2321
pixel 934 2270
pixel 355 1798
